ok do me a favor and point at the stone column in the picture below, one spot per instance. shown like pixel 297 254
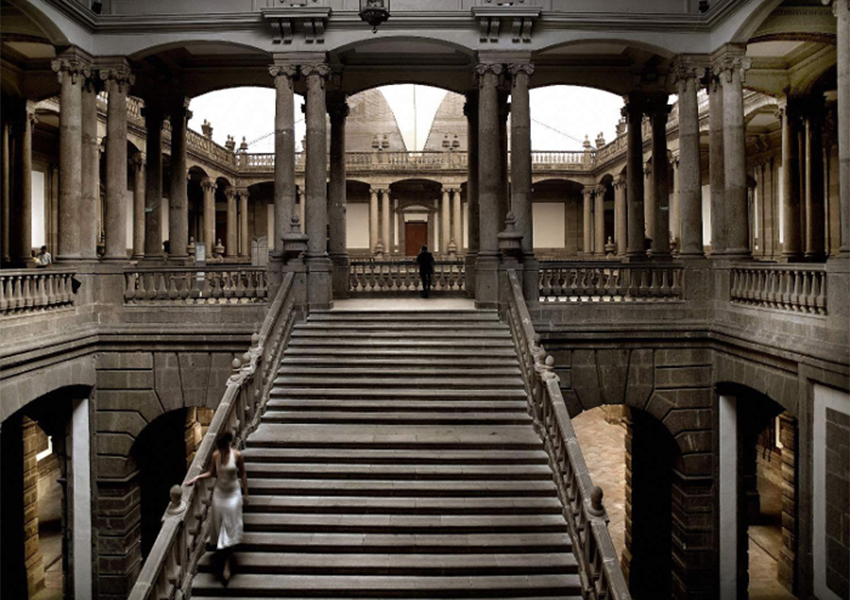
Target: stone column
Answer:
pixel 689 212
pixel 154 116
pixel 792 248
pixel 814 179
pixel 138 163
pixel 633 111
pixel 521 153
pixel 7 193
pixel 504 167
pixel 178 207
pixel 490 182
pixel 716 176
pixel 587 221
pixel 457 225
pixel 649 202
pixel 842 12
pixel 302 213
pixel 70 72
pixel 386 237
pixel 21 213
pixel 470 109
pixel 231 246
pixel 244 242
pixel 337 245
pixel 284 151
pixel 675 210
pixel 118 80
pixel 318 262
pixel 373 219
pixel 599 221
pixel 208 186
pixel 658 111
pixel 445 221
pixel 731 68
pixel 90 171
pixel 620 228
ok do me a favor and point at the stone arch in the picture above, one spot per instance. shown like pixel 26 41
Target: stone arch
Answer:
pixel 51 31
pixel 18 392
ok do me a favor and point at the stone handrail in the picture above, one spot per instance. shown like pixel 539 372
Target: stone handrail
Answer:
pixel 173 559
pixel 375 277
pixel 609 281
pixel 26 291
pixel 587 521
pixel 195 285
pixel 797 288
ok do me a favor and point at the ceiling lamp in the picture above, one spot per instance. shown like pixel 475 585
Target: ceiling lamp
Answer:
pixel 374 12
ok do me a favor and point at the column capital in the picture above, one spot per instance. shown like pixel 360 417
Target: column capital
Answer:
pixel 71 66
pixel 588 191
pixel 619 182
pixel 521 68
pixel 730 58
pixel 483 69
pixel 657 105
pixel 338 108
pixel 137 161
pixel 600 189
pixel 117 70
pixel 208 185
pixel 320 71
pixel 289 72
pixel 634 105
pixel 690 66
pixel 230 192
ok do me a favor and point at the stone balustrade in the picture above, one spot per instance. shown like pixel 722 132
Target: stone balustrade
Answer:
pixel 609 281
pixel 173 559
pixel 195 285
pixel 796 288
pixel 391 277
pixel 30 291
pixel 584 512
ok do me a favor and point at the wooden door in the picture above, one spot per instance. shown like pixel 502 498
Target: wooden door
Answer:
pixel 415 236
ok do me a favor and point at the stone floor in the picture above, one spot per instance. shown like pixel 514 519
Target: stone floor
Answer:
pixel 765 544
pixel 50 534
pixel 409 303
pixel 604 447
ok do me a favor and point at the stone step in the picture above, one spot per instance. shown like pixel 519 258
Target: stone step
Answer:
pixel 400 344
pixel 413 335
pixel 370 361
pixel 416 488
pixel 372 406
pixel 396 393
pixel 421 354
pixel 400 418
pixel 322 586
pixel 375 472
pixel 398 564
pixel 404 524
pixel 500 437
pixel 414 382
pixel 396 457
pixel 464 316
pixel 400 505
pixel 453 325
pixel 405 543
pixel 367 370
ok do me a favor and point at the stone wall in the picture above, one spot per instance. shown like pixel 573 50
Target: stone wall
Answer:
pixel 837 502
pixel 32 552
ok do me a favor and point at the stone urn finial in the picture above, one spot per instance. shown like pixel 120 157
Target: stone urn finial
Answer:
pixel 609 248
pixel 446 142
pixel 596 508
pixel 190 248
pixel 243 147
pixel 455 143
pixel 385 144
pixel 510 240
pixel 207 129
pixel 600 140
pixel 218 249
pixel 177 504
pixel 230 144
pixel 294 242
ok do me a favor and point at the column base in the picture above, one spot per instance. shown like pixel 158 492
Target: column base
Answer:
pixel 530 278
pixel 340 283
pixel 487 280
pixel 470 261
pixel 319 284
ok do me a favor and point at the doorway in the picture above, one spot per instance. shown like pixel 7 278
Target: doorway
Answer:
pixel 415 236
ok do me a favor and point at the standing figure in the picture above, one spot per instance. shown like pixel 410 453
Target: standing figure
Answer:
pixel 227 466
pixel 43 258
pixel 425 260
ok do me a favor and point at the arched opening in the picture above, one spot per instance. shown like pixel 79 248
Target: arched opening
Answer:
pixel 45 506
pixel 557 213
pixel 417 203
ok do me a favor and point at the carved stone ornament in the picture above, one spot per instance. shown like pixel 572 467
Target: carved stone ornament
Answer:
pixel 72 67
pixel 287 71
pixel 728 65
pixel 483 69
pixel 518 68
pixel 120 75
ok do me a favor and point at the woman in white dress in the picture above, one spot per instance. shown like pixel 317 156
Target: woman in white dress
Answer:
pixel 228 467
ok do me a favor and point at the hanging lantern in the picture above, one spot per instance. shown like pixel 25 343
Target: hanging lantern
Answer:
pixel 374 12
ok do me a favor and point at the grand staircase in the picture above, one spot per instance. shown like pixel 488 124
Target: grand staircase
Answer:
pixel 397 459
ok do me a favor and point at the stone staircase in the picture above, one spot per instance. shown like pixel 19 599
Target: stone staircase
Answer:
pixel 396 459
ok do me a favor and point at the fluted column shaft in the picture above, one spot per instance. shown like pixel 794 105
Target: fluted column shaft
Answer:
pixel 457 229
pixel 736 210
pixel 633 111
pixel 154 117
pixel 689 170
pixel 117 81
pixel 373 219
pixel 599 221
pixel 445 221
pixel 178 207
pixel 208 188
pixel 244 242
pixel 284 151
pixel 620 229
pixel 716 176
pixel 814 178
pixel 138 163
pixel 792 248
pixel 521 153
pixel 231 245
pixel 659 111
pixel 587 221
pixel 70 160
pixel 90 172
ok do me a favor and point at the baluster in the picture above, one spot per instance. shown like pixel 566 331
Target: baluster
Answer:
pixel 227 284
pixel 29 298
pixel 129 287
pixel 250 287
pixel 655 290
pixel 161 285
pixel 571 281
pixel 17 295
pixel 4 294
pixel 239 292
pixel 677 283
pixel 196 283
pixel 773 288
pixel 185 285
pixel 795 294
pixel 644 282
pixel 216 293
pixel 665 287
pixel 735 276
pixel 172 287
pixel 40 294
pixel 820 299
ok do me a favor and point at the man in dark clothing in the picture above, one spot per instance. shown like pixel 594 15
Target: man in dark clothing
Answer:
pixel 425 260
